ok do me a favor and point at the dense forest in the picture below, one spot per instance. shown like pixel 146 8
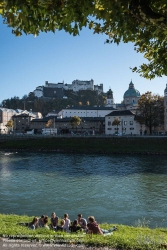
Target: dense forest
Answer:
pixel 46 105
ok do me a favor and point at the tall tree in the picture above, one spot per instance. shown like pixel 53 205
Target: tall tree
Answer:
pixel 116 122
pixel 75 121
pixel 10 125
pixel 150 110
pixel 49 124
pixel 142 22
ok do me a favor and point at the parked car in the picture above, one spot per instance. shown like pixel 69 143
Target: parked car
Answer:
pixel 119 134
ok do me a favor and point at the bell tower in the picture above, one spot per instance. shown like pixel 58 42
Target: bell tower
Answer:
pixel 110 99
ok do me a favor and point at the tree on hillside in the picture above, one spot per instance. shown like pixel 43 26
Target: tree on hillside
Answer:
pixel 150 110
pixel 116 122
pixel 75 121
pixel 142 22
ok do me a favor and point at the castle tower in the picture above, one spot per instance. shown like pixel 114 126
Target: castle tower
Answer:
pixel 110 99
pixel 165 108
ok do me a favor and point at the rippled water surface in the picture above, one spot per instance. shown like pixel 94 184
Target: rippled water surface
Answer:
pixel 115 189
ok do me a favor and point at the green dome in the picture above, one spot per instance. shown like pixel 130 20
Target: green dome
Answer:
pixel 131 92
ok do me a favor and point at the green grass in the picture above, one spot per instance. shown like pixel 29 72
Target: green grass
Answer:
pixel 127 237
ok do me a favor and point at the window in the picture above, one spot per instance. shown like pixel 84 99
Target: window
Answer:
pixel 109 123
pixel 131 122
pixel 131 128
pixel 109 128
pixel 125 122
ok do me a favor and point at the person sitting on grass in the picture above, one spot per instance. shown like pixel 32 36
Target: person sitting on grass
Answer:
pixel 61 226
pixel 93 227
pixel 41 221
pixel 54 221
pixel 46 222
pixel 82 222
pixel 33 224
pixel 67 222
pixel 75 227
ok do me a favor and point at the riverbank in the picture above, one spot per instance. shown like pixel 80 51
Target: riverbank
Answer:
pixel 85 145
pixel 126 237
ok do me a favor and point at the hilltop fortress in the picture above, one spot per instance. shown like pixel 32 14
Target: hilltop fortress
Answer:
pixel 56 90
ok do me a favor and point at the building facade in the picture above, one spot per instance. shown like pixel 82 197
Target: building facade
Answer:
pixel 22 122
pixel 88 124
pixel 128 124
pixel 85 111
pixel 5 116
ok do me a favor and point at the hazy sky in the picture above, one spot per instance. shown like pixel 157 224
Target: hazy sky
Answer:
pixel 27 62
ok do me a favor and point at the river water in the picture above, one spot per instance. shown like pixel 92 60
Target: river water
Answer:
pixel 115 189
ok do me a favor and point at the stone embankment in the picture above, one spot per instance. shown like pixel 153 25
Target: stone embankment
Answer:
pixel 145 145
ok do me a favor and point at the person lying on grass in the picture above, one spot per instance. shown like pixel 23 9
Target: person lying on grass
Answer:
pixel 93 227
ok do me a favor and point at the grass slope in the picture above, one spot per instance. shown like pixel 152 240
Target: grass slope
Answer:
pixel 136 238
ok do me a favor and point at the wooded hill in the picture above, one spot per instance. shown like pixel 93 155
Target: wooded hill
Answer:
pixel 46 105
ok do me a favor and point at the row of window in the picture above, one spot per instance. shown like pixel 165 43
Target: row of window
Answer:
pixel 124 123
pixel 118 129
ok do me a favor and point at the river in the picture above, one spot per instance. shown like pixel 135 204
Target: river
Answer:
pixel 115 189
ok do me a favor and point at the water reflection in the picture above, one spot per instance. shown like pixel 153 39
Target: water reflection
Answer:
pixel 116 189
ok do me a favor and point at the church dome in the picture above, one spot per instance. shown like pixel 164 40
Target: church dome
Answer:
pixel 131 92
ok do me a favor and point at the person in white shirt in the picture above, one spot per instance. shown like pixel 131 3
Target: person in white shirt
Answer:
pixel 67 223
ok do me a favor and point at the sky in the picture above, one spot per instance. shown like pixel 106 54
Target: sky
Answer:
pixel 27 62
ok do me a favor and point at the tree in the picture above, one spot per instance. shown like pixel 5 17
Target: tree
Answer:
pixel 142 22
pixel 150 110
pixel 10 125
pixel 49 124
pixel 116 122
pixel 75 121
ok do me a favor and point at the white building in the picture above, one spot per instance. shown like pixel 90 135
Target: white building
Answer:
pixel 85 111
pixel 5 116
pixel 38 92
pixel 128 123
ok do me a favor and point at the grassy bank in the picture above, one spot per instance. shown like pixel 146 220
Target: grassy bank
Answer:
pixel 104 145
pixel 139 238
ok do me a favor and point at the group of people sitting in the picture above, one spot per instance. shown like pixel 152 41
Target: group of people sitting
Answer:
pixel 80 224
